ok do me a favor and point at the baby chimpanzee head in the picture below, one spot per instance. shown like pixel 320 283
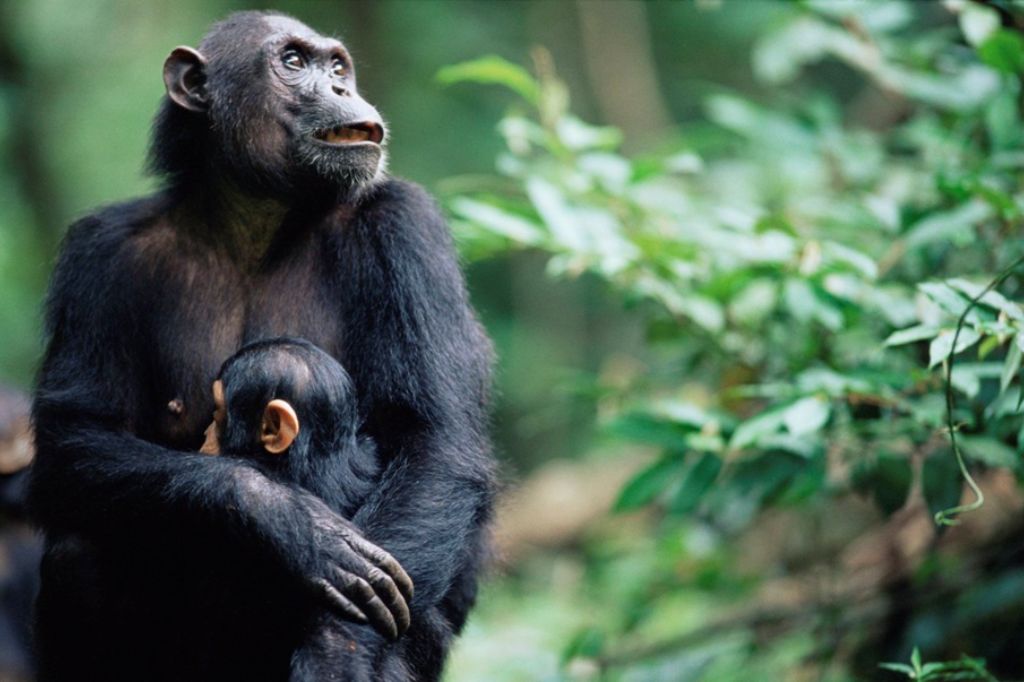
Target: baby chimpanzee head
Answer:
pixel 292 407
pixel 281 394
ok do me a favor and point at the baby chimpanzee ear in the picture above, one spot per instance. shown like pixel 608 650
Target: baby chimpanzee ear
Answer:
pixel 279 428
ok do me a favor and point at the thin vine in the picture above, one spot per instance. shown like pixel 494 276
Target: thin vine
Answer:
pixel 948 517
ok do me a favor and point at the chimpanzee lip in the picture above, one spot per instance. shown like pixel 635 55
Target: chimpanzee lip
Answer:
pixel 351 133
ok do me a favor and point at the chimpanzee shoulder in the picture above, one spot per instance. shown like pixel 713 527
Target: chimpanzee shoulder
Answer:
pixel 94 248
pixel 400 201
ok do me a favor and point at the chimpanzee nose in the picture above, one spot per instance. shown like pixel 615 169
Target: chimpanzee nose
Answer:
pixel 339 90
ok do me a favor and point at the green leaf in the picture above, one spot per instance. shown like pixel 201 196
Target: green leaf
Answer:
pixel 503 223
pixel 967 376
pixel 611 170
pixel 899 668
pixel 643 427
pixel 1005 404
pixel 941 481
pixel 1002 119
pixel 832 383
pixel 805 446
pixel 650 483
pixel 577 135
pixel 1004 50
pixel 493 70
pixel 912 334
pixel 682 412
pixel 988 344
pixel 704 311
pixel 1010 367
pixel 989 451
pixel 557 214
pixel 750 431
pixel 967 383
pixel 992 299
pixel 749 120
pixel 764 477
pixel 887 479
pixel 684 163
pixel 806 304
pixel 978 22
pixel 520 135
pixel 588 643
pixel 947 225
pixel 876 17
pixel 857 260
pixel 1020 395
pixel 806 415
pixel 941 346
pixel 779 56
pixel 960 91
pixel 948 299
pixel 698 481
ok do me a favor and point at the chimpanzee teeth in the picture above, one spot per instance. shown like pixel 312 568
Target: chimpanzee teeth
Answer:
pixel 342 134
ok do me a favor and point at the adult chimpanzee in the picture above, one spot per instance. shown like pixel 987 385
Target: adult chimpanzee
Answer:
pixel 276 220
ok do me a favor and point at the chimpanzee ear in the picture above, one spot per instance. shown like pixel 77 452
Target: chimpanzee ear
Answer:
pixel 185 78
pixel 280 427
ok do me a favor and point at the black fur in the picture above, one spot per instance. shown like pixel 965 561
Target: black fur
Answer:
pixel 147 300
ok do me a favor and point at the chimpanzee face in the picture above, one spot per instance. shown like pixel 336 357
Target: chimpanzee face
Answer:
pixel 212 435
pixel 281 104
pixel 329 131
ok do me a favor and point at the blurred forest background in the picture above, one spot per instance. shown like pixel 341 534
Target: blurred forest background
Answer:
pixel 723 248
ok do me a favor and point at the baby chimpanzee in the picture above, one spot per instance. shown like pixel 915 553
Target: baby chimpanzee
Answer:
pixel 291 408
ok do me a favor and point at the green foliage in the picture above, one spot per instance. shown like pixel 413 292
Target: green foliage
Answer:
pixel 967 669
pixel 751 252
pixel 799 268
pixel 494 70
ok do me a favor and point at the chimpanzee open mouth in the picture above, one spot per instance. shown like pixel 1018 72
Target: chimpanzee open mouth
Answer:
pixel 351 133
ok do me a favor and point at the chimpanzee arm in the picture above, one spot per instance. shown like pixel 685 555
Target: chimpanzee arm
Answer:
pixel 94 476
pixel 421 364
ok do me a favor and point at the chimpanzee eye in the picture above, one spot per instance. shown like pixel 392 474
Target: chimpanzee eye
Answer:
pixel 338 67
pixel 293 59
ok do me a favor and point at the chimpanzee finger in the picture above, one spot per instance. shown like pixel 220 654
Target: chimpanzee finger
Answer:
pixel 388 564
pixel 381 583
pixel 388 591
pixel 362 594
pixel 339 602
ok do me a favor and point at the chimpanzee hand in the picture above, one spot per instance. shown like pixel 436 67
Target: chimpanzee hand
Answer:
pixel 355 578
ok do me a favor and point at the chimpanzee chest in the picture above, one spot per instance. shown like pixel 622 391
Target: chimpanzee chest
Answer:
pixel 215 314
